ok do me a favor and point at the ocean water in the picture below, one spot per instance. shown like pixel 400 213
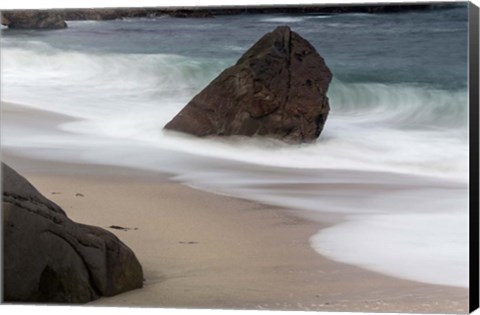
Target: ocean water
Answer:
pixel 391 164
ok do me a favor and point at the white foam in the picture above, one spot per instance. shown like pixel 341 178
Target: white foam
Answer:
pixel 284 19
pixel 430 248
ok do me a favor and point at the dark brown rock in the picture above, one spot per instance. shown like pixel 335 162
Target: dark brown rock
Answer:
pixel 191 13
pixel 49 258
pixel 33 19
pixel 277 89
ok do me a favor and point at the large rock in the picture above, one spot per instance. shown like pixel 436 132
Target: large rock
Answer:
pixel 49 258
pixel 32 19
pixel 277 88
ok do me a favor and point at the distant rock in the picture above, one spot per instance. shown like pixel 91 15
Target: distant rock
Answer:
pixel 191 13
pixel 49 258
pixel 101 14
pixel 277 89
pixel 33 19
pixel 55 18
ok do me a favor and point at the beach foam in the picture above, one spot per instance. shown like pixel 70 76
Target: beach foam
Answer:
pixel 417 246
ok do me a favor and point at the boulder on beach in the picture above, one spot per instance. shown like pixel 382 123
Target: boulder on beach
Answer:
pixel 49 258
pixel 33 19
pixel 277 89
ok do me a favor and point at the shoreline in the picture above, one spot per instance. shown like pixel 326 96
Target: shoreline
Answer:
pixel 203 250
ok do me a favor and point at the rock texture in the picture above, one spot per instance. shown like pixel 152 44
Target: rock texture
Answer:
pixel 32 19
pixel 49 258
pixel 277 89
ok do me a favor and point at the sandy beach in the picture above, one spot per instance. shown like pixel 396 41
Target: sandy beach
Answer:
pixel 200 250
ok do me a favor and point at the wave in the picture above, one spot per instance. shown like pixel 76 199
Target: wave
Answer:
pixel 106 79
pixel 400 105
pixel 163 76
pixel 372 126
pixel 294 18
pixel 285 19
